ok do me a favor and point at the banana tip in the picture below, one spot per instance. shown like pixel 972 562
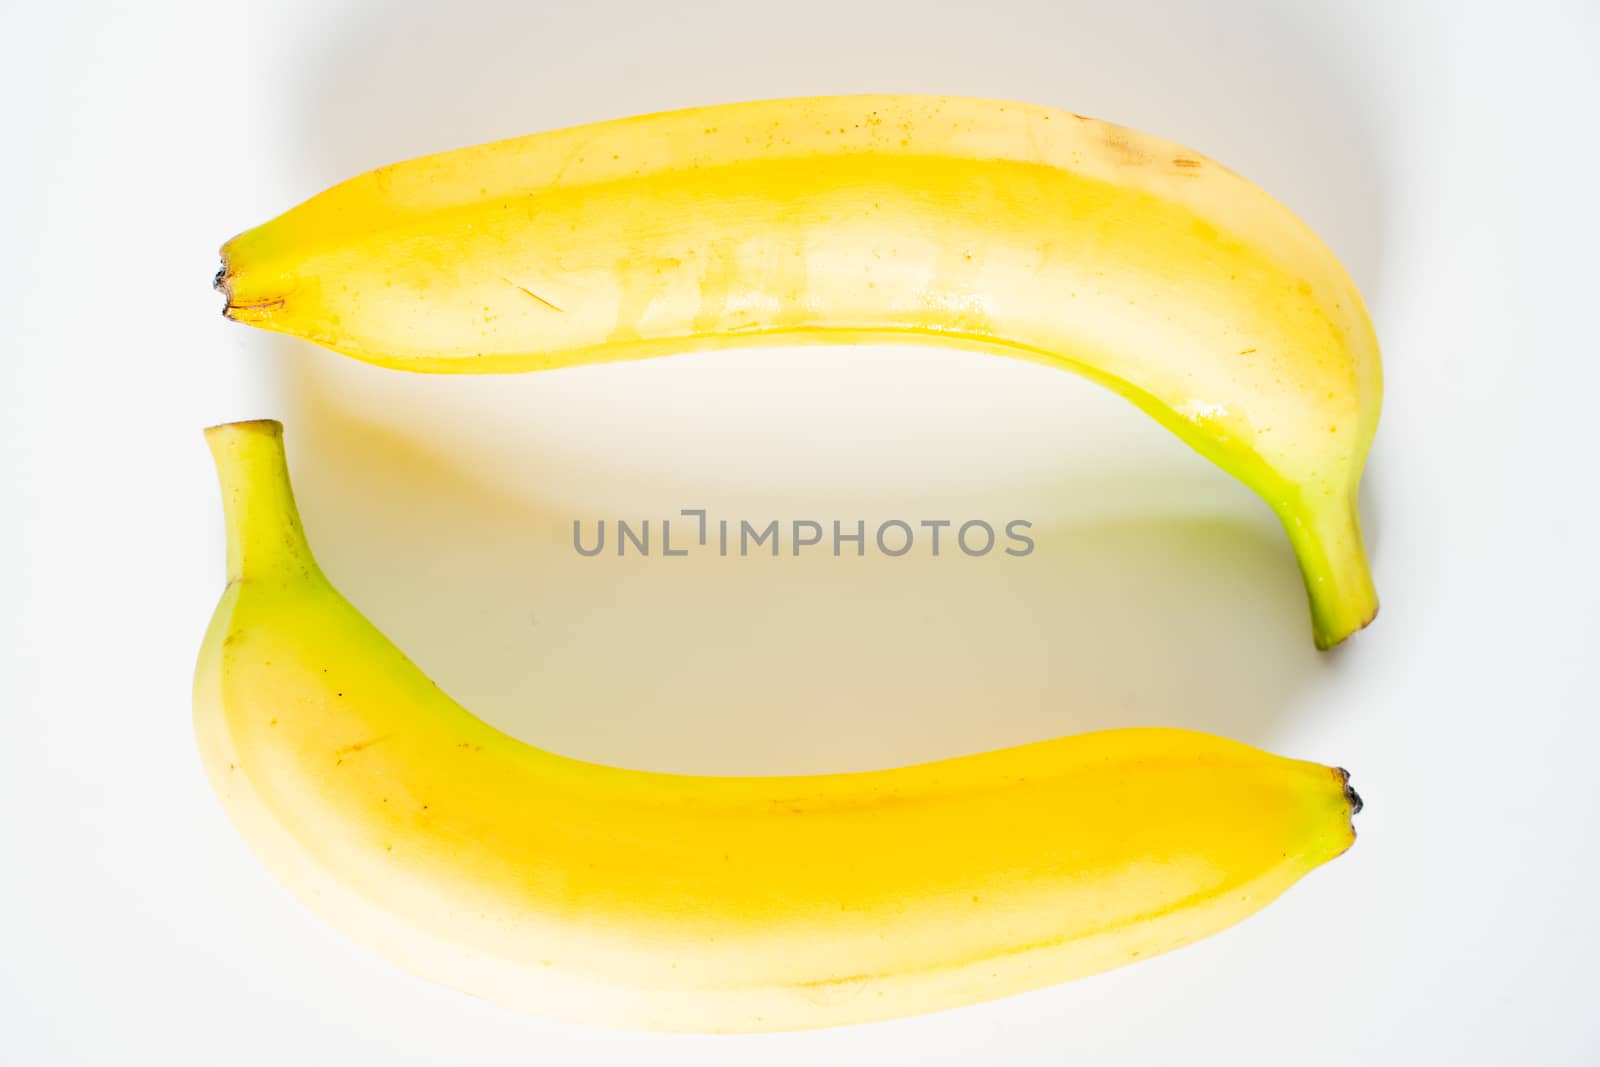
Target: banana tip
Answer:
pixel 1350 795
pixel 253 311
pixel 222 282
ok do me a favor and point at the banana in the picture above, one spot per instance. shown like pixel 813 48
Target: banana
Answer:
pixel 1005 228
pixel 662 901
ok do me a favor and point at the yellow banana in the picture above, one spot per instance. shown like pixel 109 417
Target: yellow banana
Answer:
pixel 665 901
pixel 1008 228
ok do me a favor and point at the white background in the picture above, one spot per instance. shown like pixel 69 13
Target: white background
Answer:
pixel 1446 152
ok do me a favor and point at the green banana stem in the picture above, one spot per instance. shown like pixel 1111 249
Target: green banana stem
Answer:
pixel 265 537
pixel 1327 543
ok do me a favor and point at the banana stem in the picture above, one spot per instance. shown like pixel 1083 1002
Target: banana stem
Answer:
pixel 265 537
pixel 1333 562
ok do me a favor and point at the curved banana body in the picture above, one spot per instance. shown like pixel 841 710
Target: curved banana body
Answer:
pixel 697 903
pixel 1007 228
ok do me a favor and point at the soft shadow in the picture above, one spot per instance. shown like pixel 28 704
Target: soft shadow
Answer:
pixel 1160 591
pixel 444 508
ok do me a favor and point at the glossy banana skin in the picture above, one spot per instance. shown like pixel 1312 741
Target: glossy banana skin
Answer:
pixel 1006 228
pixel 674 902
